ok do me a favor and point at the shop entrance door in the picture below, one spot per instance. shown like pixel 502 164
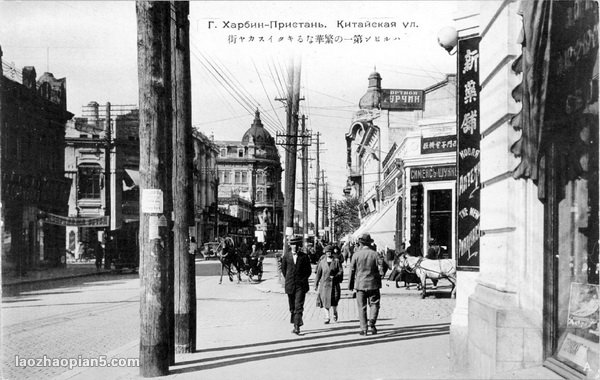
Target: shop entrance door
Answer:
pixel 440 219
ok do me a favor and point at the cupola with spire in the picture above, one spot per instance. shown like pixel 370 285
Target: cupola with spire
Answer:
pixel 372 98
pixel 257 134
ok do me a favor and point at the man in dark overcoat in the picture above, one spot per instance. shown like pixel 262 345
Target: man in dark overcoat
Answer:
pixel 296 269
pixel 366 279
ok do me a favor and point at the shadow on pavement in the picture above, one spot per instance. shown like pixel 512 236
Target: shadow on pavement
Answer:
pixel 385 335
pixel 70 304
pixel 101 279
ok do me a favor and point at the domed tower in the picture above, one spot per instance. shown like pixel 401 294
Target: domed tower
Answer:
pixel 372 98
pixel 250 172
pixel 257 134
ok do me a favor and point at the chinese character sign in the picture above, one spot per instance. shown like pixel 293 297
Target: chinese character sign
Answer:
pixel 438 144
pixel 468 135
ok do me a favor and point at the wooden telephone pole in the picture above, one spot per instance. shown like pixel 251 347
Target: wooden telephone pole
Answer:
pixel 293 104
pixel 324 209
pixel 184 265
pixel 318 172
pixel 304 187
pixel 154 77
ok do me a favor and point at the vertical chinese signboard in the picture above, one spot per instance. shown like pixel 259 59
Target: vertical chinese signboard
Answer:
pixel 468 154
pixel 416 212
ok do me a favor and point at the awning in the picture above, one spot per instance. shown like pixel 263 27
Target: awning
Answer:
pixel 383 228
pixel 131 179
pixel 363 226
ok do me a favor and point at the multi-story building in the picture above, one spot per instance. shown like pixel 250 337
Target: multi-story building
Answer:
pixel 251 169
pixel 34 188
pixel 401 161
pixel 530 300
pixel 102 159
pixel 205 183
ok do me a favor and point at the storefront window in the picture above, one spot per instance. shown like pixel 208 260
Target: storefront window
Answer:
pixel 440 219
pixel 578 290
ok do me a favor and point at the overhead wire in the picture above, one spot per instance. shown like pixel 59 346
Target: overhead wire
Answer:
pixel 267 95
pixel 242 99
pixel 268 119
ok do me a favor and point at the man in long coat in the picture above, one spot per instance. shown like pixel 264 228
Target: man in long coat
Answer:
pixel 366 279
pixel 296 269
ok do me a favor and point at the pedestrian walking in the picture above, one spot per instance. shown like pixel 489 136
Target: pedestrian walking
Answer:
pixel 330 274
pixel 296 270
pixel 99 254
pixel 366 279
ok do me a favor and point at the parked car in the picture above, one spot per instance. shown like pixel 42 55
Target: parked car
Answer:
pixel 209 250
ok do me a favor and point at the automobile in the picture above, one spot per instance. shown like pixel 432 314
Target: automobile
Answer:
pixel 209 249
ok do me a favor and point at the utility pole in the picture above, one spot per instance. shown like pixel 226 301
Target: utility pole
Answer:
pixel 318 172
pixel 107 187
pixel 331 220
pixel 324 207
pixel 292 136
pixel 154 76
pixel 184 269
pixel 1 153
pixel 304 186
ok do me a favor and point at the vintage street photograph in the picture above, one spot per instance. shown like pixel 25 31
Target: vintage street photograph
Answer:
pixel 299 189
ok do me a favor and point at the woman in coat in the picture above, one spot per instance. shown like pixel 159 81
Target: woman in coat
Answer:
pixel 330 274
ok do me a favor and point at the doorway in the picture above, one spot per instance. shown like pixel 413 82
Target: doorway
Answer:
pixel 440 219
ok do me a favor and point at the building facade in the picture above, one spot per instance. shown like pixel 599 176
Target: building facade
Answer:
pixel 102 160
pixel 533 299
pixel 205 183
pixel 34 186
pixel 251 169
pixel 402 164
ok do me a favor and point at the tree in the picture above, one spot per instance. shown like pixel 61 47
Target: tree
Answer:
pixel 345 213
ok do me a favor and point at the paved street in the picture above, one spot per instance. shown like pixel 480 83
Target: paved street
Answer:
pixel 243 331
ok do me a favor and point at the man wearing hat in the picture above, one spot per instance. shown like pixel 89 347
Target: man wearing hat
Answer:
pixel 296 269
pixel 366 279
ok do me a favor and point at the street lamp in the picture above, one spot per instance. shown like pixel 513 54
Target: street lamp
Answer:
pixel 448 39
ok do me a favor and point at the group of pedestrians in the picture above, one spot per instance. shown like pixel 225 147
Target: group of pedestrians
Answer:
pixel 364 281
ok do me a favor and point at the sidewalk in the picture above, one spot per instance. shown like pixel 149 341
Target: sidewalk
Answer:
pixel 43 274
pixel 245 334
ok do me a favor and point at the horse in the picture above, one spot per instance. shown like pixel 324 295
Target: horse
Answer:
pixel 229 257
pixel 433 269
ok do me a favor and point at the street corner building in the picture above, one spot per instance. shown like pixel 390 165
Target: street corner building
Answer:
pixel 499 164
pixel 249 193
pixel 33 116
pixel 527 228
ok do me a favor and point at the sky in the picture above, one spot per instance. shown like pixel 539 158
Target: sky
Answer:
pixel 237 70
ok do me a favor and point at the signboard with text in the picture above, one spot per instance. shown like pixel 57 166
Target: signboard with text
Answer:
pixel 433 173
pixel 438 144
pixel 468 159
pixel 402 100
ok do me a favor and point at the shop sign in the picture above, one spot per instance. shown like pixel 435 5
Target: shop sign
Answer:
pixel 60 220
pixel 44 191
pixel 416 211
pixel 438 144
pixel 402 100
pixel 433 173
pixel 468 154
